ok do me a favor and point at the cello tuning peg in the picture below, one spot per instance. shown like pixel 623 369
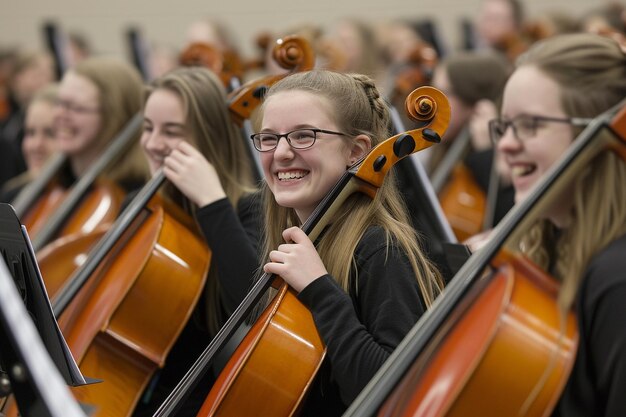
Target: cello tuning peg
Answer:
pixel 404 146
pixel 431 136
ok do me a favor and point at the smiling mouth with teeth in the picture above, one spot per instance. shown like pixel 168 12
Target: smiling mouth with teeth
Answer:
pixel 522 171
pixel 285 176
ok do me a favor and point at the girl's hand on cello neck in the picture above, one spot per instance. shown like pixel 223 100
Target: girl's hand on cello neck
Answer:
pixel 193 175
pixel 298 263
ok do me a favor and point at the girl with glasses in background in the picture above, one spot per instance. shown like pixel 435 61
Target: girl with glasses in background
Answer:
pixel 558 86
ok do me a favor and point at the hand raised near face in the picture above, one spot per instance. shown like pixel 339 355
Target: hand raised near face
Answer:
pixel 193 175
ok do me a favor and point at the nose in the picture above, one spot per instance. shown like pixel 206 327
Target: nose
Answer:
pixel 508 142
pixel 153 142
pixel 38 140
pixel 283 149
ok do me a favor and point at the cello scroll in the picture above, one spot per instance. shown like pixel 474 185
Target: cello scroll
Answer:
pixel 291 52
pixel 426 106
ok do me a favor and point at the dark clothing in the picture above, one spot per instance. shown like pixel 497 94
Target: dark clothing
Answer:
pixel 9 192
pixel 362 328
pixel 11 134
pixel 227 233
pixel 234 240
pixel 597 383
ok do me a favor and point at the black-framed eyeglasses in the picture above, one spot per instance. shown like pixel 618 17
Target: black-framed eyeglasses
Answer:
pixel 297 139
pixel 525 126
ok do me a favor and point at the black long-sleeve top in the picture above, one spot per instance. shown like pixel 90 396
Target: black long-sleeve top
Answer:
pixel 233 237
pixel 597 383
pixel 360 328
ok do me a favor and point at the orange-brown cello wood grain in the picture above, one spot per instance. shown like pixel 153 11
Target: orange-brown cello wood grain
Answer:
pixel 508 353
pixel 99 206
pixel 130 315
pixel 122 324
pixel 463 203
pixel 59 259
pixel 277 359
pixel 37 215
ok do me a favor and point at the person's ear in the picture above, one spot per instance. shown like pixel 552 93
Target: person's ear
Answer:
pixel 361 145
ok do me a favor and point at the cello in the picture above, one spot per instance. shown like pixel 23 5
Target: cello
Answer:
pixel 140 257
pixel 420 195
pixel 286 326
pixel 462 200
pixel 507 305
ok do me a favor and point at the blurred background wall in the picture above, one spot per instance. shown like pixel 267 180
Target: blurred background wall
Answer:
pixel 104 23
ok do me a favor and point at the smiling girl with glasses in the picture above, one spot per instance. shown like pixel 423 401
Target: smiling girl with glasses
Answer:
pixel 557 87
pixel 366 280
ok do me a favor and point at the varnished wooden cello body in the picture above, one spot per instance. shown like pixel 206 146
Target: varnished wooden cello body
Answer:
pixel 464 203
pixel 536 338
pixel 115 333
pixel 281 320
pixel 122 310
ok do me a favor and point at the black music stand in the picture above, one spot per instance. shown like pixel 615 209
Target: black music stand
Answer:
pixel 19 263
pixel 37 385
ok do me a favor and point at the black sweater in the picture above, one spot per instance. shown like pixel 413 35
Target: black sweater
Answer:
pixel 597 384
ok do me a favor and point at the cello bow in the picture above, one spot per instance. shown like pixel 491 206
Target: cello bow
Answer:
pixel 606 132
pixel 427 106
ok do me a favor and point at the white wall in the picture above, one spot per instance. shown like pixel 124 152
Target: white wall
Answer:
pixel 105 21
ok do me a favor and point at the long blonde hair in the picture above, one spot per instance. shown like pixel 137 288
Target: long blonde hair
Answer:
pixel 357 108
pixel 591 73
pixel 217 138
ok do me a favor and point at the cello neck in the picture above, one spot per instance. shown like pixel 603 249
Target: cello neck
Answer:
pixel 453 155
pixel 427 198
